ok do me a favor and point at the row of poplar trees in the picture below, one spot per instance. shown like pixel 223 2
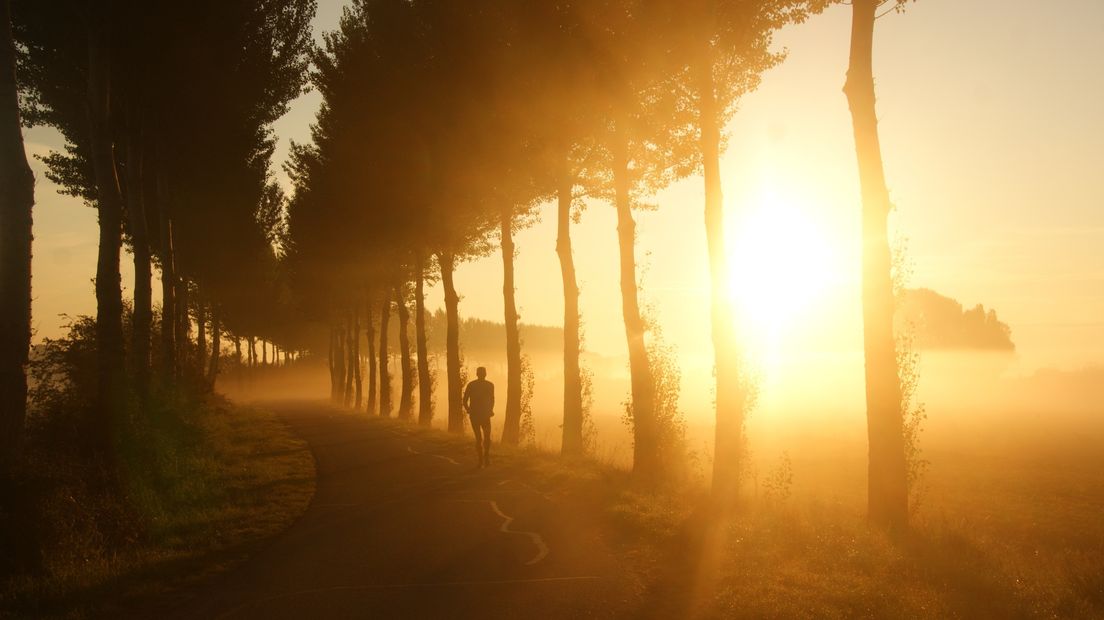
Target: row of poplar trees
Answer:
pixel 166 112
pixel 443 126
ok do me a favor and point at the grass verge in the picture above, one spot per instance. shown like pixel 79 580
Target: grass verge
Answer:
pixel 200 485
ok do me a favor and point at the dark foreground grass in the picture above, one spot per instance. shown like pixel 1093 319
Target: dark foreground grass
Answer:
pixel 200 486
pixel 1014 549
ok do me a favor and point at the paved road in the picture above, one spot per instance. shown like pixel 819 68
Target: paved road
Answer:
pixel 403 526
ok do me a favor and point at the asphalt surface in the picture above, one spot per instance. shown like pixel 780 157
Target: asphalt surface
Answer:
pixel 402 525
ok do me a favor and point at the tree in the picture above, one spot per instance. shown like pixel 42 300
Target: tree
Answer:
pixel 887 478
pixel 16 203
pixel 142 148
pixel 384 356
pixel 647 140
pixel 425 380
pixel 406 389
pixel 726 47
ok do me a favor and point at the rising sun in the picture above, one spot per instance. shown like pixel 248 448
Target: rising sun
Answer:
pixel 781 265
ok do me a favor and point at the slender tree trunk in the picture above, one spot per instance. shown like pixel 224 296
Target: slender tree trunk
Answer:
pixel 512 422
pixel 168 287
pixel 646 448
pixel 887 478
pixel 384 374
pixel 143 270
pixel 406 398
pixel 183 328
pixel 370 335
pixel 730 413
pixel 238 351
pixel 252 351
pixel 355 357
pixel 350 361
pixel 16 204
pixel 425 382
pixel 573 382
pixel 201 335
pixel 264 352
pixel 109 294
pixel 452 344
pixel 216 346
pixel 335 381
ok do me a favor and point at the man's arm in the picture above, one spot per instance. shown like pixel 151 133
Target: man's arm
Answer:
pixel 492 396
pixel 467 399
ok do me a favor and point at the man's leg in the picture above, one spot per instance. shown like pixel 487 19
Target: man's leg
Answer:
pixel 477 430
pixel 487 441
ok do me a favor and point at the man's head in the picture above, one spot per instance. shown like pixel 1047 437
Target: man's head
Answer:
pixel 481 372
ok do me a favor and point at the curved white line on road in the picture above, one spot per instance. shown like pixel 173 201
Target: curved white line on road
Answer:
pixel 436 456
pixel 547 496
pixel 538 540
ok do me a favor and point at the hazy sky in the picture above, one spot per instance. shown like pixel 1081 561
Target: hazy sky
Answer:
pixel 993 140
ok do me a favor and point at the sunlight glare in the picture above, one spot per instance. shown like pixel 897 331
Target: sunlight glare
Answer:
pixel 781 265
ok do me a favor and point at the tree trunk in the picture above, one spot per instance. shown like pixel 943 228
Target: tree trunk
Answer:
pixel 646 462
pixel 406 398
pixel 252 351
pixel 384 374
pixel 264 352
pixel 238 351
pixel 168 287
pixel 143 271
pixel 331 358
pixel 573 382
pixel 109 294
pixel 201 335
pixel 887 499
pixel 350 361
pixel 370 335
pixel 183 328
pixel 425 382
pixel 730 403
pixel 16 204
pixel 216 347
pixel 452 344
pixel 355 357
pixel 511 426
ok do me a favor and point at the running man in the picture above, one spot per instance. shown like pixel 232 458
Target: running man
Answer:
pixel 479 403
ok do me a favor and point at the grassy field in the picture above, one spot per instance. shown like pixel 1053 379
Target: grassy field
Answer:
pixel 202 485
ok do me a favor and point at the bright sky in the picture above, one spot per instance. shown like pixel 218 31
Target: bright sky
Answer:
pixel 994 148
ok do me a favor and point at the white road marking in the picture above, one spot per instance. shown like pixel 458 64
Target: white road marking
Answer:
pixel 538 540
pixel 547 496
pixel 436 456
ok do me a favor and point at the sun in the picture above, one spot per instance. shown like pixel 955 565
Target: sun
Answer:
pixel 781 264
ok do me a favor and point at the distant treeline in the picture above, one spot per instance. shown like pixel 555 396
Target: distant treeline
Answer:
pixel 942 323
pixel 477 335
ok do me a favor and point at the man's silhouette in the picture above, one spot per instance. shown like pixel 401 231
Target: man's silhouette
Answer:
pixel 479 403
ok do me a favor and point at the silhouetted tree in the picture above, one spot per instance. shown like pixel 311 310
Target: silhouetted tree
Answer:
pixel 16 203
pixel 887 494
pixel 648 142
pixel 726 47
pixel 406 367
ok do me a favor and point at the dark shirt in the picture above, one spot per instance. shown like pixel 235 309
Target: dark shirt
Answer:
pixel 479 398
